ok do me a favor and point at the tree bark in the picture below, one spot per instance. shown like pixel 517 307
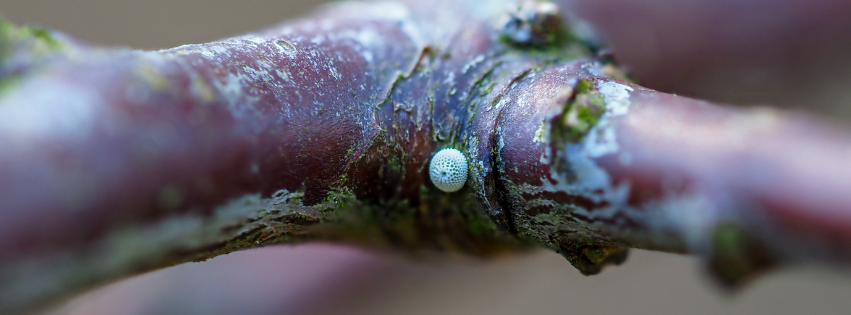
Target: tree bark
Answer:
pixel 115 162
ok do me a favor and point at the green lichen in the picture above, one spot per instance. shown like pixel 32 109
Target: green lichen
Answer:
pixel 32 40
pixel 395 163
pixel 435 222
pixel 489 89
pixel 581 113
pixel 556 228
pixel 439 222
pixel 562 45
pixel 598 254
pixel 22 48
pixel 736 256
pixel 534 24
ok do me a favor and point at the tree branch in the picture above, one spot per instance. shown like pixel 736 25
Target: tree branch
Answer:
pixel 117 162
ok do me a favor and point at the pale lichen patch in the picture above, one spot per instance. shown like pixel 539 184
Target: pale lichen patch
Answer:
pixel 617 97
pixel 602 140
pixel 542 134
pixel 155 81
pixel 202 90
pixel 73 115
pixel 287 48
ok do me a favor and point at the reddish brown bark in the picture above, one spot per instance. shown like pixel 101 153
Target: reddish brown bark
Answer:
pixel 116 162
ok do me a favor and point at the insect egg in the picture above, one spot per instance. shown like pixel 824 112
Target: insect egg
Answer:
pixel 448 170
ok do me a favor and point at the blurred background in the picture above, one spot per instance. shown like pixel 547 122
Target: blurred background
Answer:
pixel 788 53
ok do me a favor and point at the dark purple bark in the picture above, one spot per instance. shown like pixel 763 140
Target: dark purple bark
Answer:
pixel 116 161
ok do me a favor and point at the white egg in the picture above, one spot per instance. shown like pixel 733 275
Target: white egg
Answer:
pixel 448 170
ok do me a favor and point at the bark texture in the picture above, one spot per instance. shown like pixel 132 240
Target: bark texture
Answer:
pixel 115 162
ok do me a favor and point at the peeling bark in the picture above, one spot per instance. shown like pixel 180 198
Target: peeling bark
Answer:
pixel 115 162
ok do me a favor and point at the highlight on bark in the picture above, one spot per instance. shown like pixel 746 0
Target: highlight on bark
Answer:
pixel 117 161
